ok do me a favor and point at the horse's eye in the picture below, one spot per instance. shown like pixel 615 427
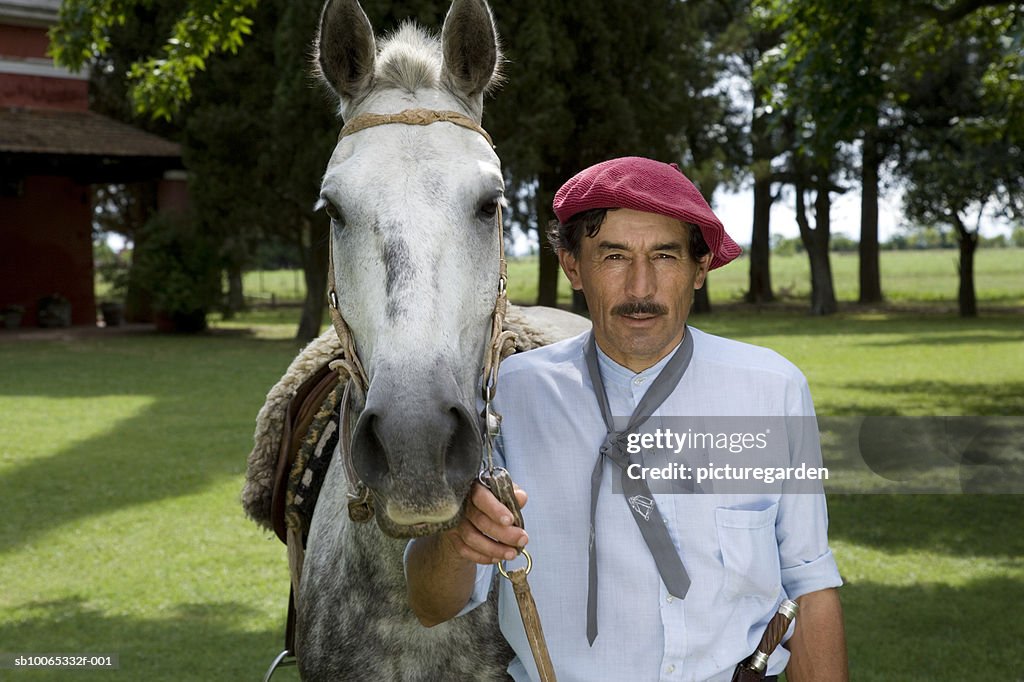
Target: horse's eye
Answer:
pixel 333 212
pixel 489 208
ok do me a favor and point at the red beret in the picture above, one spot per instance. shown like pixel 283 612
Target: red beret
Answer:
pixel 645 185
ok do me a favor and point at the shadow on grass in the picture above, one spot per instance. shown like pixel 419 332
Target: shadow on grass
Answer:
pixel 742 322
pixel 945 397
pixel 934 632
pixel 193 642
pixel 956 525
pixel 196 432
pixel 964 339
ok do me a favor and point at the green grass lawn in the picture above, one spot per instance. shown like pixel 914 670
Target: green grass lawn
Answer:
pixel 122 457
pixel 919 277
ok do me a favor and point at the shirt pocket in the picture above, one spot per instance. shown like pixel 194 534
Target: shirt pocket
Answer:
pixel 750 552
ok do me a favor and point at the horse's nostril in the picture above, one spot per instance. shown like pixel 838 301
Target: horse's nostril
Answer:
pixel 369 456
pixel 462 456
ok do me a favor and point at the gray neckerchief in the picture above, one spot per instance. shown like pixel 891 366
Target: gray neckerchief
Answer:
pixel 636 492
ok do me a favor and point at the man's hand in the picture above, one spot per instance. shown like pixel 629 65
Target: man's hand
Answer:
pixel 440 569
pixel 486 534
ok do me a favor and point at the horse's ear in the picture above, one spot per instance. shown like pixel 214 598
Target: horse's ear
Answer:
pixel 345 49
pixel 470 47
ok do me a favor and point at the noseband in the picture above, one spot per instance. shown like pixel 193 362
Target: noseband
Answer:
pixel 351 368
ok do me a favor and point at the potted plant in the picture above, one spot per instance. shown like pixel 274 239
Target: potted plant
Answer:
pixel 12 315
pixel 54 311
pixel 112 313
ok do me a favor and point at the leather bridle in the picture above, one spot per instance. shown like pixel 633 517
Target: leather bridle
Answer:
pixel 351 369
pixel 501 344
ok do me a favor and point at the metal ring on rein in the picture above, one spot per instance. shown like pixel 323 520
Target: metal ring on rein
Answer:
pixel 529 564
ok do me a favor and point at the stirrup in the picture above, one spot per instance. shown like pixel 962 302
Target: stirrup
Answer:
pixel 280 662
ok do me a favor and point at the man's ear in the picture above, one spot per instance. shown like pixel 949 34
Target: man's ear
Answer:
pixel 703 265
pixel 571 268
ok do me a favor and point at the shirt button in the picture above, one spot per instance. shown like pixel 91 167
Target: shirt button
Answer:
pixel 670 599
pixel 670 669
pixel 639 380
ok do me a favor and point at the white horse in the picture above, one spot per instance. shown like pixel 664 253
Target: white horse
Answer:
pixel 415 246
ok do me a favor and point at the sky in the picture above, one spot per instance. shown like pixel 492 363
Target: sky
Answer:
pixel 736 211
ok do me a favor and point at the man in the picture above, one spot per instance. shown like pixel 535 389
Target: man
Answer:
pixel 640 586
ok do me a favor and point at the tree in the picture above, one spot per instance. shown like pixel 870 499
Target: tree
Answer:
pixel 251 116
pixel 645 87
pixel 964 149
pixel 159 85
pixel 843 68
pixel 592 80
pixel 786 75
pixel 749 36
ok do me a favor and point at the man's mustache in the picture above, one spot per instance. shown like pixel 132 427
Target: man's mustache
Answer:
pixel 644 307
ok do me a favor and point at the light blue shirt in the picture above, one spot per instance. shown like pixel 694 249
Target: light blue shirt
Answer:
pixel 744 553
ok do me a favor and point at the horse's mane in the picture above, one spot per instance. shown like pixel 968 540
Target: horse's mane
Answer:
pixel 409 59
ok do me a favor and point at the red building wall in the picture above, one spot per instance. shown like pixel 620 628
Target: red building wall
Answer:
pixel 45 231
pixel 18 90
pixel 24 41
pixel 46 246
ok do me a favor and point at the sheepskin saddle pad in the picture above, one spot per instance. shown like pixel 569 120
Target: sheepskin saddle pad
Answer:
pixel 298 426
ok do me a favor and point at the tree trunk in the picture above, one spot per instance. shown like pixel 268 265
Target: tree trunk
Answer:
pixel 760 287
pixel 816 240
pixel 870 272
pixel 823 299
pixel 315 240
pixel 547 260
pixel 968 245
pixel 236 296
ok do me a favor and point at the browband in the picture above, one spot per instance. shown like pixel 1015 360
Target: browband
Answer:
pixel 413 117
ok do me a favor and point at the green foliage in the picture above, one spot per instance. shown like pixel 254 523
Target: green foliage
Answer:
pixel 177 264
pixel 590 80
pixel 160 85
pixel 1017 237
pixel 112 271
pixel 786 246
pixel 963 150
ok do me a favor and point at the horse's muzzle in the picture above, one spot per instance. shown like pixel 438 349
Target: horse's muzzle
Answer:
pixel 417 446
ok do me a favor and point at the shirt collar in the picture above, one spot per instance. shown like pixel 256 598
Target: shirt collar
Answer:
pixel 614 373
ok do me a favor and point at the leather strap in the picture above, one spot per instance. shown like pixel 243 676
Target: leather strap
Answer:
pixel 500 483
pixel 531 623
pixel 413 117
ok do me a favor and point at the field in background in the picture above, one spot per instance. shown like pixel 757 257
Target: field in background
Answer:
pixel 919 277
pixel 122 459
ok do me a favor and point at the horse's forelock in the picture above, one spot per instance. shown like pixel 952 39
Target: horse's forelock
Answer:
pixel 409 59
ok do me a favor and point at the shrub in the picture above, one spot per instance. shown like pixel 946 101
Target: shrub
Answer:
pixel 177 265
